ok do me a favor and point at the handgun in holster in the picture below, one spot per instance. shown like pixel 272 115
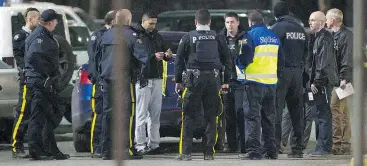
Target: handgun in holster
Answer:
pixel 21 74
pixel 49 82
pixel 187 78
pixel 224 90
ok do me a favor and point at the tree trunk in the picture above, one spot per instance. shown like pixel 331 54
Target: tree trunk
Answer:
pixel 93 8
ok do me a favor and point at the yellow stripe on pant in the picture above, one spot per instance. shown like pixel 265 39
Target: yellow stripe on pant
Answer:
pixel 164 77
pixel 20 118
pixel 93 105
pixel 132 95
pixel 182 121
pixel 217 120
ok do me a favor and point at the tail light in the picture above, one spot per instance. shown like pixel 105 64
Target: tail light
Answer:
pixel 85 85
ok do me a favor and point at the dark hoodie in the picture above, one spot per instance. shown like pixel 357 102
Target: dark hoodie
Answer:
pixel 293 41
pixel 155 68
pixel 234 47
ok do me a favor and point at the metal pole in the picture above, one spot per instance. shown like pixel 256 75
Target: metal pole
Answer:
pixel 120 89
pixel 358 76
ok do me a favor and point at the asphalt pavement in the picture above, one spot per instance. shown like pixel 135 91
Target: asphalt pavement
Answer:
pixel 170 144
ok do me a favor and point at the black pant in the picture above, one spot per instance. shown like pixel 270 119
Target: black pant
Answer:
pixel 234 112
pixel 128 122
pixel 96 126
pixel 21 118
pixel 261 116
pixel 289 90
pixel 205 90
pixel 44 118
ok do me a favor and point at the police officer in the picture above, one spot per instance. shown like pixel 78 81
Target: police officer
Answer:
pixel 135 57
pixel 343 43
pixel 261 80
pixel 290 82
pixel 234 100
pixel 203 53
pixel 321 69
pixel 97 101
pixel 32 17
pixel 42 71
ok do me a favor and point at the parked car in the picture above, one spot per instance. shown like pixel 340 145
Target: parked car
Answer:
pixel 171 104
pixel 12 20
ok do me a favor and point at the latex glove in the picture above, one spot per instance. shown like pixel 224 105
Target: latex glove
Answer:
pixel 343 83
pixel 314 89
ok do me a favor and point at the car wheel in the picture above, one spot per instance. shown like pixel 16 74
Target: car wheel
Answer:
pixel 81 142
pixel 67 62
pixel 6 127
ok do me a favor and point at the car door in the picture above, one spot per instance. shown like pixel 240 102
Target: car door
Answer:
pixel 10 88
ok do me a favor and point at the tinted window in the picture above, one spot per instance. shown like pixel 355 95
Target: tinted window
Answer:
pixel 3 65
pixel 79 37
pixel 87 20
pixel 18 22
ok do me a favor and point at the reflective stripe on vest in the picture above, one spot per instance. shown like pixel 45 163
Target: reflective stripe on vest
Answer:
pixel 263 69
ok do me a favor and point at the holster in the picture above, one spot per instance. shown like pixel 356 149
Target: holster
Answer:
pixel 188 78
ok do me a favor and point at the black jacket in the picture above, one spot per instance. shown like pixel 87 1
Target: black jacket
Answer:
pixel 155 41
pixel 238 37
pixel 94 54
pixel 322 62
pixel 293 40
pixel 18 47
pixel 343 48
pixel 183 55
pixel 41 54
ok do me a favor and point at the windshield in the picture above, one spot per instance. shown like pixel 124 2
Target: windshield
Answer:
pixel 186 23
pixel 17 22
pixel 79 37
pixel 87 20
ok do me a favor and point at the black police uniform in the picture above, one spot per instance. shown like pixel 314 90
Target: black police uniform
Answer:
pixel 233 100
pixel 203 53
pixel 97 101
pixel 23 108
pixel 290 82
pixel 42 70
pixel 136 55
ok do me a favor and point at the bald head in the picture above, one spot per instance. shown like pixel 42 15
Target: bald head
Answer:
pixel 317 21
pixel 123 17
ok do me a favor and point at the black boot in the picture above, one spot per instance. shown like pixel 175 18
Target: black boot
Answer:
pixel 20 154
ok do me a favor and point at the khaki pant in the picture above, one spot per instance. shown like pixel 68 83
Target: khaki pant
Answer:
pixel 341 124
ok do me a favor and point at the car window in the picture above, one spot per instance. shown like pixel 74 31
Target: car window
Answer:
pixel 68 17
pixel 79 37
pixel 18 22
pixel 87 20
pixel 3 65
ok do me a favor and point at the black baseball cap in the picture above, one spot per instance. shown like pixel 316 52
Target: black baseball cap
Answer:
pixel 49 15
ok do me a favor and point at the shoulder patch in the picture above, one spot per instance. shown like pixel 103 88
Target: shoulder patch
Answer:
pixel 93 38
pixel 134 34
pixel 16 37
pixel 39 41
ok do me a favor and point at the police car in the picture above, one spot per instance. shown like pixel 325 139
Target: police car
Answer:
pixel 12 20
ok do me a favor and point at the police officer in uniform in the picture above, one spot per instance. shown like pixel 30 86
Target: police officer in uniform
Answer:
pixel 136 56
pixel 203 53
pixel 32 16
pixel 234 102
pixel 97 102
pixel 261 79
pixel 290 81
pixel 42 71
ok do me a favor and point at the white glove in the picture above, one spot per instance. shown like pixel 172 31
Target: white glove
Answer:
pixel 314 89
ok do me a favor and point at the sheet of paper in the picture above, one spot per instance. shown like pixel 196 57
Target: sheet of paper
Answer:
pixel 347 91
